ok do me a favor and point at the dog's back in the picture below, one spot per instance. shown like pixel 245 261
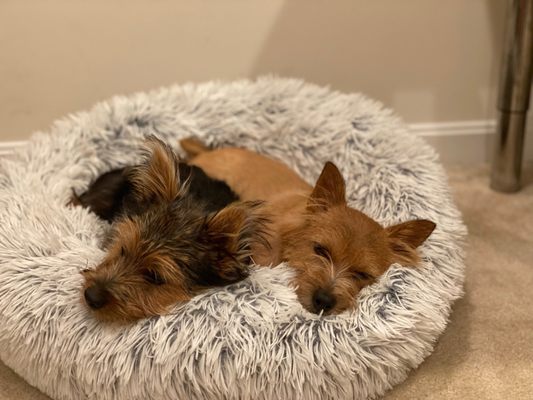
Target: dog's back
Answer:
pixel 252 176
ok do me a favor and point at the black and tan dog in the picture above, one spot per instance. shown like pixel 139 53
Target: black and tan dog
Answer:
pixel 175 233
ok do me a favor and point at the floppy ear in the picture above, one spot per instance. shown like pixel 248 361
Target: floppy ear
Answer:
pixel 329 189
pixel 156 179
pixel 404 238
pixel 233 231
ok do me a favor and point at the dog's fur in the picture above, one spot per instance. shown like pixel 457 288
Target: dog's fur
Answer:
pixel 112 193
pixel 167 244
pixel 335 250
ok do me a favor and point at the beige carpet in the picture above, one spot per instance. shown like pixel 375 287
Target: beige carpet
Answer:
pixel 487 350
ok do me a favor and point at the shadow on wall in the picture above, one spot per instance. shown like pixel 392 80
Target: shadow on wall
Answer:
pixel 447 63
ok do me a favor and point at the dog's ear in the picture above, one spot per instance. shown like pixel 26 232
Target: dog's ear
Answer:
pixel 233 231
pixel 329 189
pixel 404 238
pixel 156 179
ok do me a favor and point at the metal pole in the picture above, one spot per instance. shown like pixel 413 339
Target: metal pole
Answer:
pixel 513 101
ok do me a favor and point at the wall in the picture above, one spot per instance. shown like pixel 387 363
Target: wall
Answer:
pixel 432 61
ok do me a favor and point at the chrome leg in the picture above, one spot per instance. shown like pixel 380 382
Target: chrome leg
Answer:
pixel 513 102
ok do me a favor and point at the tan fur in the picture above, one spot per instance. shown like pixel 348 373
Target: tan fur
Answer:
pixel 159 178
pixel 193 147
pixel 123 270
pixel 334 249
pixel 249 174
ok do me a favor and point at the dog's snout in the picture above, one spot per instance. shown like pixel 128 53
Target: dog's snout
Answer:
pixel 96 296
pixel 323 300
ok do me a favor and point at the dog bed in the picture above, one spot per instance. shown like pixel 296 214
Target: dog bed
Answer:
pixel 251 340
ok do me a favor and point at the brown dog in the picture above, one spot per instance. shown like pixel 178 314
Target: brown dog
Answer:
pixel 335 250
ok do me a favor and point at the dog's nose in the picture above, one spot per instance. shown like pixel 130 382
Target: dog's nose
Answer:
pixel 323 300
pixel 96 296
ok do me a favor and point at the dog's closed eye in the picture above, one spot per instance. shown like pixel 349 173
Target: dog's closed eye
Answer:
pixel 321 251
pixel 363 276
pixel 153 277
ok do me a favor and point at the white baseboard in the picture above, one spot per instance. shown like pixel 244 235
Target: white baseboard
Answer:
pixel 458 142
pixel 454 128
pixel 467 142
pixel 7 148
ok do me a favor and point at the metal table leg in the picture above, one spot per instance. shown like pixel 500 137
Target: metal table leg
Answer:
pixel 513 103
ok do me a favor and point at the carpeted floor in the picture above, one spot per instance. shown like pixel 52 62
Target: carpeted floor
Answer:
pixel 487 350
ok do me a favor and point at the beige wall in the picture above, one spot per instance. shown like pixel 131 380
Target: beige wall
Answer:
pixel 431 60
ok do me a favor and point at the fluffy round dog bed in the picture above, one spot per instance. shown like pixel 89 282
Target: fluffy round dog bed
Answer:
pixel 252 339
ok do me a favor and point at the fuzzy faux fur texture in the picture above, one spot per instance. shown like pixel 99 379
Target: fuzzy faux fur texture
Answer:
pixel 251 340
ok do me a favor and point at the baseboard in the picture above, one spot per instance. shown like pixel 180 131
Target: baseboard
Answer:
pixel 458 142
pixel 8 147
pixel 466 142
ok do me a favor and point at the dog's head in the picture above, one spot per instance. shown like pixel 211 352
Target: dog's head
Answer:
pixel 166 247
pixel 337 250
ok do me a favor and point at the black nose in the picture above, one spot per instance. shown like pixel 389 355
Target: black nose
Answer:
pixel 323 300
pixel 96 296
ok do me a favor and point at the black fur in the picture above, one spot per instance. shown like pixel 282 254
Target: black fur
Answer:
pixel 112 193
pixel 215 193
pixel 106 196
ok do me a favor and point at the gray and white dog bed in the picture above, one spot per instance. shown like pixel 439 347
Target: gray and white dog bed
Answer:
pixel 251 340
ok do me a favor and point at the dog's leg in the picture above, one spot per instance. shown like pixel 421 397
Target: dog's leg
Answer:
pixel 193 147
